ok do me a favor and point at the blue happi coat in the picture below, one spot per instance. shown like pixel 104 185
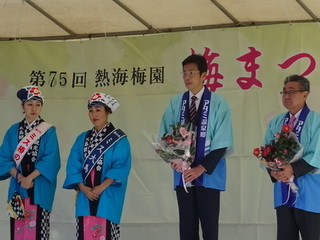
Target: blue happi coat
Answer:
pixel 308 184
pixel 116 165
pixel 47 163
pixel 219 135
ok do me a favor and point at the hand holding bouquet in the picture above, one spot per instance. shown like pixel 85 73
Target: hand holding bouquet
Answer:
pixel 285 148
pixel 178 146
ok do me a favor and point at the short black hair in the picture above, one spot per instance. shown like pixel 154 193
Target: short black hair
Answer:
pixel 304 82
pixel 197 59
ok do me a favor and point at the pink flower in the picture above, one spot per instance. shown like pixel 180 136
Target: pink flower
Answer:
pixel 184 133
pixel 278 161
pixel 174 144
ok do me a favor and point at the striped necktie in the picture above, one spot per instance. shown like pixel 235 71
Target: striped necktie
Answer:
pixel 193 109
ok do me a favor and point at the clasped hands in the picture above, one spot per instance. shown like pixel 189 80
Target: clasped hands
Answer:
pixel 26 182
pixel 92 193
pixel 285 174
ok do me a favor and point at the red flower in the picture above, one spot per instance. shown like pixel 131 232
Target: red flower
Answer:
pixel 35 91
pixel 266 151
pixel 27 215
pixel 96 97
pixel 281 150
pixel 178 143
pixel 169 140
pixel 286 129
pixel 256 152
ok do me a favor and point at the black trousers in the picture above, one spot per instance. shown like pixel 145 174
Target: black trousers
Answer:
pixel 291 221
pixel 200 204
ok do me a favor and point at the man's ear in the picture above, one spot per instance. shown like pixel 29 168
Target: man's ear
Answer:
pixel 203 75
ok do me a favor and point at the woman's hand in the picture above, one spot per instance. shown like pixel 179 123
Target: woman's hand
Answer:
pixel 97 190
pixel 100 188
pixel 26 182
pixel 88 192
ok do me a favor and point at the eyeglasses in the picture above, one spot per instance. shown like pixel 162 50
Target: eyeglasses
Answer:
pixel 290 93
pixel 189 73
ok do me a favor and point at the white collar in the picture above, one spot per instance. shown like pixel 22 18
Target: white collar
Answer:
pixel 297 115
pixel 30 124
pixel 198 95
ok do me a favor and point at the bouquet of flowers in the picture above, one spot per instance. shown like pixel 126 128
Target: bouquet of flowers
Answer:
pixel 285 148
pixel 178 146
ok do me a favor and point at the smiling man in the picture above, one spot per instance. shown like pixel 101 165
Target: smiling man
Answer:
pixel 211 115
pixel 298 212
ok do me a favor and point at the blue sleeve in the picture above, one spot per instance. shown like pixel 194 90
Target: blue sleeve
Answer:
pixel 170 116
pixel 10 142
pixel 121 161
pixel 275 125
pixel 220 124
pixel 48 162
pixel 74 164
pixel 310 139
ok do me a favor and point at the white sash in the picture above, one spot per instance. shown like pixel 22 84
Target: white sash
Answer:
pixel 25 144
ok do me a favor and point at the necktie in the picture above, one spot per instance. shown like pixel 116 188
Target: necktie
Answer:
pixel 193 109
pixel 291 122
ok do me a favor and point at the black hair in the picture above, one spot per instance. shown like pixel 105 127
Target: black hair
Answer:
pixel 106 108
pixel 199 60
